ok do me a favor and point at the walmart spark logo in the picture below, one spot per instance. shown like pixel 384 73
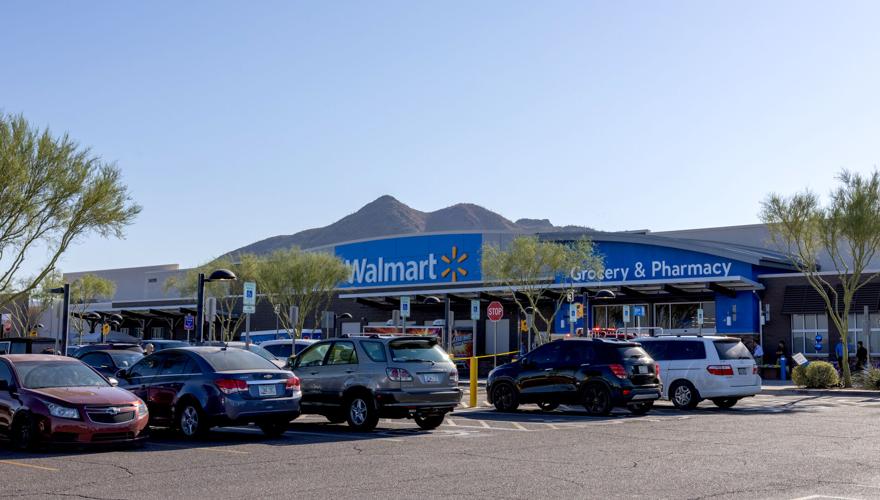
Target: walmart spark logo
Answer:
pixel 453 264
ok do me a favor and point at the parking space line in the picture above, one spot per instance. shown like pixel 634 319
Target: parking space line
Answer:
pixel 217 450
pixel 484 424
pixel 519 426
pixel 338 436
pixel 19 464
pixel 450 422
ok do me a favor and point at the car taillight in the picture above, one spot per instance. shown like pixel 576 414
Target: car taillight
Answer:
pixel 231 386
pixel 398 375
pixel 618 370
pixel 293 383
pixel 720 370
pixel 755 370
pixel 453 376
pixel 657 372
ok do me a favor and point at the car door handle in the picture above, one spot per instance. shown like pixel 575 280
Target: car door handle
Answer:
pixel 547 369
pixel 349 371
pixel 313 373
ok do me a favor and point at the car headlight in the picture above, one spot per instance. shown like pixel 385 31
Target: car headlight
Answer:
pixel 142 409
pixel 62 411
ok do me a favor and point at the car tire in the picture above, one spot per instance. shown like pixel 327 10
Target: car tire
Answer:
pixel 683 395
pixel 429 422
pixel 22 436
pixel 335 419
pixel 548 406
pixel 505 397
pixel 640 408
pixel 597 400
pixel 362 414
pixel 274 429
pixel 725 403
pixel 191 420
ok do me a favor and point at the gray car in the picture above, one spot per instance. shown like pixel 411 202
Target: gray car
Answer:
pixel 363 379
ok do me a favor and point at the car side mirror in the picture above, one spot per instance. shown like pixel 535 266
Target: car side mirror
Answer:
pixel 120 374
pixel 113 381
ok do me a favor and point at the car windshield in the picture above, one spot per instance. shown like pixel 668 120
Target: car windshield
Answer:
pixel 632 352
pixel 732 349
pixel 124 359
pixel 414 350
pixel 237 359
pixel 254 348
pixel 43 375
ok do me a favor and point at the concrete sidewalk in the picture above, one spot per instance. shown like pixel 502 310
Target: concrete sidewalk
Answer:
pixel 787 388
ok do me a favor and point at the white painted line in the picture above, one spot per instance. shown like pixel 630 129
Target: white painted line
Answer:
pixel 338 436
pixel 484 424
pixel 450 422
pixel 519 426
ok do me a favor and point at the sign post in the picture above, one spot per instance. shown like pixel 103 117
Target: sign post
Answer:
pixel 249 306
pixel 638 312
pixel 188 323
pixel 475 317
pixel 626 317
pixel 495 312
pixel 700 319
pixel 572 317
pixel 404 312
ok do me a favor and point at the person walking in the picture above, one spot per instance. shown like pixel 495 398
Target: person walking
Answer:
pixel 759 354
pixel 838 351
pixel 861 357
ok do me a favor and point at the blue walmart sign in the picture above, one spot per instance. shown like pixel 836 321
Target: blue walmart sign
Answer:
pixel 442 258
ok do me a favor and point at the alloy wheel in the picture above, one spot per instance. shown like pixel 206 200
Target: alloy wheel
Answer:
pixel 358 411
pixel 189 421
pixel 683 395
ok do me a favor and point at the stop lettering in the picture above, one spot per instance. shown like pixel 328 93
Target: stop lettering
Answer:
pixel 495 311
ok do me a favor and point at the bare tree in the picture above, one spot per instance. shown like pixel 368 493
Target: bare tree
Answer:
pixel 847 229
pixel 84 292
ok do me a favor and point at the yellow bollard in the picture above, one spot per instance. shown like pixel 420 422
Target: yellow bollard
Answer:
pixel 473 382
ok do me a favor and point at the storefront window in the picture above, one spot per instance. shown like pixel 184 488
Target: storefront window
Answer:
pixel 683 316
pixel 856 325
pixel 611 317
pixel 804 328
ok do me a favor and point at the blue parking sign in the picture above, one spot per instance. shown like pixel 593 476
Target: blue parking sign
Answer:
pixel 638 311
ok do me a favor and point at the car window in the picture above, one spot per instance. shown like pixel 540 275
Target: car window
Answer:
pixel 263 353
pixel 577 353
pixel 46 374
pixel 125 359
pixel 631 352
pixel 412 350
pixel 237 359
pixel 342 353
pixel 732 349
pixel 687 350
pixel 375 351
pixel 18 348
pixel 4 347
pixel 547 355
pixel 146 367
pixel 299 347
pixel 657 350
pixel 6 374
pixel 96 359
pixel 279 350
pixel 174 364
pixel 314 356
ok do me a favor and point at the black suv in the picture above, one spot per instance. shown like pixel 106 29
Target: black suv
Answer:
pixel 599 374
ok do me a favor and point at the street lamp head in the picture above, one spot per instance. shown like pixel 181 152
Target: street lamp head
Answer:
pixel 221 275
pixel 60 289
pixel 344 316
pixel 40 326
pixel 431 299
pixel 604 295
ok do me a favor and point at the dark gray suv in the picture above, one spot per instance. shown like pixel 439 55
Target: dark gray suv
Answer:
pixel 362 379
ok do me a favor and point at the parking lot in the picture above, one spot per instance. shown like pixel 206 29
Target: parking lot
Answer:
pixel 767 447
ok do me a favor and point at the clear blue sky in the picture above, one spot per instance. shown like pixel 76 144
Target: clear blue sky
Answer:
pixel 235 121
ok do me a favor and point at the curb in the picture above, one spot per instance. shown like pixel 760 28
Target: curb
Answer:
pixel 845 393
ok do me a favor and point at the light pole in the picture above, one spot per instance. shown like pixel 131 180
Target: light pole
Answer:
pixel 603 294
pixel 218 275
pixel 65 314
pixel 336 322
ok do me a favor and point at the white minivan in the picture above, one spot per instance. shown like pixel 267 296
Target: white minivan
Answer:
pixel 694 368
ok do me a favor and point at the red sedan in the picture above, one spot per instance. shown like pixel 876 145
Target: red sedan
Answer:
pixel 55 399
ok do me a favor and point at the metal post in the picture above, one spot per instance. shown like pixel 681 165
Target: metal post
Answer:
pixel 65 317
pixel 866 332
pixel 200 309
pixel 473 373
pixel 446 324
pixel 449 329
pixel 276 309
pixel 495 344
pixel 247 330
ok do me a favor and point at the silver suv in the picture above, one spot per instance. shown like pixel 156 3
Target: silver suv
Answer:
pixel 362 379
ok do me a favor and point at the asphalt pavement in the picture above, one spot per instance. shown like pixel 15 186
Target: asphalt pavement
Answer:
pixel 770 446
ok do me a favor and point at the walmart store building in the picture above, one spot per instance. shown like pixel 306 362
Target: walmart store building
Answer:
pixel 732 275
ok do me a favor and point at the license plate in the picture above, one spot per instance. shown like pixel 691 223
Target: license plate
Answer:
pixel 742 371
pixel 431 378
pixel 640 369
pixel 266 389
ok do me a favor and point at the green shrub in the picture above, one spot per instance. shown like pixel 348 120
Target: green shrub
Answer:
pixel 870 379
pixel 816 375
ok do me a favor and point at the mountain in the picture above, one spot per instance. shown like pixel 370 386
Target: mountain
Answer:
pixel 386 216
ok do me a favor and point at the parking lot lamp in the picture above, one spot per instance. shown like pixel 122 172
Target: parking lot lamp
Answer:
pixel 65 314
pixel 336 322
pixel 218 275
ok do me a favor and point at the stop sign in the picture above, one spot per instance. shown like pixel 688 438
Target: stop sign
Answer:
pixel 495 311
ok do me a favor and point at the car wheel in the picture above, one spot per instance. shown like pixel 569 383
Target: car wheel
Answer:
pixel 274 429
pixel 597 400
pixel 362 414
pixel 335 419
pixel 548 406
pixel 683 395
pixel 22 436
pixel 191 421
pixel 429 422
pixel 725 402
pixel 640 408
pixel 505 397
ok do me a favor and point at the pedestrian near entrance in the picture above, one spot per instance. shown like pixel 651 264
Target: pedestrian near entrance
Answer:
pixel 782 353
pixel 861 357
pixel 759 354
pixel 838 351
